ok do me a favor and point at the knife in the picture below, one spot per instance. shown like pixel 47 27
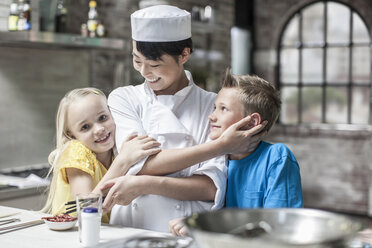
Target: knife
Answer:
pixel 20 226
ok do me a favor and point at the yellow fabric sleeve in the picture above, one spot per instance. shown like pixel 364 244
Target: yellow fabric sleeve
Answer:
pixel 78 156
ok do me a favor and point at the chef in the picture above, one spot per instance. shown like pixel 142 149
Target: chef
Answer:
pixel 170 107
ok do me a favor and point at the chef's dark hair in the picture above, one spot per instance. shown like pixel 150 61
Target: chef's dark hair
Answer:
pixel 154 50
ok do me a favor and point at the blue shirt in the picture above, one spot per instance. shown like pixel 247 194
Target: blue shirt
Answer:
pixel 267 178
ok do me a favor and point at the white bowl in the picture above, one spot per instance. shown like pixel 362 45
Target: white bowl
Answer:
pixel 60 226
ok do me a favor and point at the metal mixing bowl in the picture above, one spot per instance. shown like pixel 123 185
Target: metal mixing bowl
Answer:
pixel 261 228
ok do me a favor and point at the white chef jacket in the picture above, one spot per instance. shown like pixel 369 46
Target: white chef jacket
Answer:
pixel 176 121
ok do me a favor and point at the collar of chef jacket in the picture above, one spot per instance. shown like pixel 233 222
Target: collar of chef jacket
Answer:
pixel 161 119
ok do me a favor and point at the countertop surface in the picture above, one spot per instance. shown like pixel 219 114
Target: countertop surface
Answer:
pixel 110 236
pixel 42 236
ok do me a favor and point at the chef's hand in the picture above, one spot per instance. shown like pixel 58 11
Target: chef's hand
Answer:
pixel 122 191
pixel 241 137
pixel 177 227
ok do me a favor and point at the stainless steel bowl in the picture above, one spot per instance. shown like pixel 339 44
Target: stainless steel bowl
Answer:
pixel 263 228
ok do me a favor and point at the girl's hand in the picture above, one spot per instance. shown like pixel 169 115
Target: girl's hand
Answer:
pixel 177 227
pixel 135 148
pixel 238 139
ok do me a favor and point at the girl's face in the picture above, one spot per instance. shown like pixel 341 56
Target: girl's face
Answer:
pixel 90 122
pixel 227 110
pixel 163 76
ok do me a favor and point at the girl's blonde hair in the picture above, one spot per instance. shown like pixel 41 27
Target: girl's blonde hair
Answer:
pixel 63 136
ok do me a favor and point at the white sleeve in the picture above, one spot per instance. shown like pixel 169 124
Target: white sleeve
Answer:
pixel 215 169
pixel 125 108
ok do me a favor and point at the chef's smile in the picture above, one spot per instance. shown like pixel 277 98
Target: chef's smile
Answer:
pixel 152 81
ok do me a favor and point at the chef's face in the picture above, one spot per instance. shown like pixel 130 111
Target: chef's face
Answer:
pixel 90 122
pixel 164 76
pixel 228 109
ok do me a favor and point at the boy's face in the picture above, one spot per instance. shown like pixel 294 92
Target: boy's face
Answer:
pixel 227 110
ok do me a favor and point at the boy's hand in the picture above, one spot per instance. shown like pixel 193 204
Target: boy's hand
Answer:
pixel 236 140
pixel 177 227
pixel 135 148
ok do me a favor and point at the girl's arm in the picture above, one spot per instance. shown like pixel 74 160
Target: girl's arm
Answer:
pixel 80 181
pixel 133 149
pixel 233 140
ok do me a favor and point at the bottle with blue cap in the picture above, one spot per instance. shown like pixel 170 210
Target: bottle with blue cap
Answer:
pixel 90 226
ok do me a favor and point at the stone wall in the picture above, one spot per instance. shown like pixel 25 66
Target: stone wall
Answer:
pixel 335 161
pixel 32 81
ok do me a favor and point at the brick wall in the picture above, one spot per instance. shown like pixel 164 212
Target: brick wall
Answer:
pixel 335 161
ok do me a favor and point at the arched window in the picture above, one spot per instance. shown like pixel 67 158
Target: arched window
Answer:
pixel 325 66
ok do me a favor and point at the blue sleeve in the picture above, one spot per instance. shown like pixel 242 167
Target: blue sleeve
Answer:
pixel 283 185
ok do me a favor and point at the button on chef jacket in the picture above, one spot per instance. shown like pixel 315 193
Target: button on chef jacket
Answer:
pixel 176 121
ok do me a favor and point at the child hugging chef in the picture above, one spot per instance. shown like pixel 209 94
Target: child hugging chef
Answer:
pixel 189 174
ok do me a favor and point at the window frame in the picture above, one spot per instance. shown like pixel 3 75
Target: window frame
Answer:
pixel 324 84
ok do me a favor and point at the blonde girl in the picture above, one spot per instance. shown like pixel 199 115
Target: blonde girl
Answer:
pixel 85 138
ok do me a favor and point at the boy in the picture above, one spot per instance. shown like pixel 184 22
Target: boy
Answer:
pixel 268 176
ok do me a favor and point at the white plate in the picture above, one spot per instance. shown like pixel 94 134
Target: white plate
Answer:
pixel 60 226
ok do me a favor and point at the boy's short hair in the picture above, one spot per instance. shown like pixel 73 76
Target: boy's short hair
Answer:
pixel 154 50
pixel 257 96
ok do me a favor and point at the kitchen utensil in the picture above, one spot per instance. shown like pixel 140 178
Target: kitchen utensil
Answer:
pixel 8 221
pixel 20 226
pixel 71 205
pixel 251 229
pixel 288 228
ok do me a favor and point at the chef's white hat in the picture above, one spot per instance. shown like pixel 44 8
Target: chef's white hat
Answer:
pixel 161 23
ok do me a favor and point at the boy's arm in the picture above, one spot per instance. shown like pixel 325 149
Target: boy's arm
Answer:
pixel 124 112
pixel 233 140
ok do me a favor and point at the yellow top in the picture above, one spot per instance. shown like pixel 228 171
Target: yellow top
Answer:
pixel 78 156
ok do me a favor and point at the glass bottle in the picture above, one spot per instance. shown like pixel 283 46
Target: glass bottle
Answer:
pixel 101 32
pixel 92 18
pixel 13 16
pixel 27 14
pixel 60 21
pixel 21 18
pixel 24 16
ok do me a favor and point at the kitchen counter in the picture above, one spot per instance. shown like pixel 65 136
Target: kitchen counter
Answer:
pixel 42 236
pixel 110 236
